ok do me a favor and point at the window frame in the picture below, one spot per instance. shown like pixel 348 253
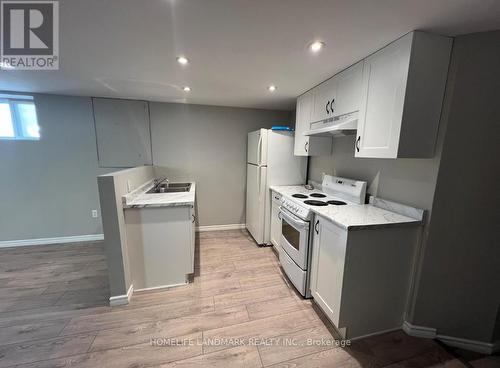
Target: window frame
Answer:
pixel 16 118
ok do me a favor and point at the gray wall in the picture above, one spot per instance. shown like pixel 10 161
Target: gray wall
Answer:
pixel 207 144
pixel 459 289
pixel 49 187
pixel 408 181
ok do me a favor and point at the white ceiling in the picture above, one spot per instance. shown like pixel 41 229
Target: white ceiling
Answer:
pixel 127 48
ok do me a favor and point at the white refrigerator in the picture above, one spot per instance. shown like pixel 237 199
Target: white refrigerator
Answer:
pixel 270 161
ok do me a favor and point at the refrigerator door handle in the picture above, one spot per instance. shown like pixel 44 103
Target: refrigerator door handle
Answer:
pixel 260 178
pixel 259 149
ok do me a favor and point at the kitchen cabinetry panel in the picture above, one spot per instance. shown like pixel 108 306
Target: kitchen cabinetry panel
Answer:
pixel 360 278
pixel 162 239
pixel 308 146
pixel 122 132
pixel 324 100
pixel 384 82
pixel 348 96
pixel 275 220
pixel 302 119
pixel 398 92
pixel 192 218
pixel 328 267
pixel 402 93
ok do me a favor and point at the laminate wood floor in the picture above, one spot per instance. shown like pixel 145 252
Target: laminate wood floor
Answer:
pixel 239 311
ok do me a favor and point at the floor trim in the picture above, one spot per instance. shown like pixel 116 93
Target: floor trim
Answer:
pixel 473 345
pixel 220 227
pixel 375 333
pixel 115 301
pixel 431 333
pixel 419 331
pixel 45 241
pixel 159 288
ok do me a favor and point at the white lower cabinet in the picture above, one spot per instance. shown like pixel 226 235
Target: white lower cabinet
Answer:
pixel 327 267
pixel 192 218
pixel 360 278
pixel 161 244
pixel 275 220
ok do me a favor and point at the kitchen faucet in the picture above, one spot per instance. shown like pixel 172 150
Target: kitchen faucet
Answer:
pixel 157 182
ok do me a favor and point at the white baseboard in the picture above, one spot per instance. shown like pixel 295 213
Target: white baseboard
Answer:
pixel 375 333
pixel 220 227
pixel 431 333
pixel 115 301
pixel 419 331
pixel 45 241
pixel 159 288
pixel 473 345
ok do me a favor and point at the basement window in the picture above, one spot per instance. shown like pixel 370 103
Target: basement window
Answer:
pixel 18 120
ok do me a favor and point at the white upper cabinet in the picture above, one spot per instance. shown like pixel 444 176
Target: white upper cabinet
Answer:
pixel 324 100
pixel 304 145
pixel 402 94
pixel 302 119
pixel 348 92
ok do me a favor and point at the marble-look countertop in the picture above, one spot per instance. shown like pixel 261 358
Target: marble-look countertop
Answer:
pixel 352 216
pixel 138 198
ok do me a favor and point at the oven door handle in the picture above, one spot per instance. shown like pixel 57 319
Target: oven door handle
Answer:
pixel 298 223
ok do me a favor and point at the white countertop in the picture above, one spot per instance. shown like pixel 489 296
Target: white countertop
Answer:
pixel 352 216
pixel 138 198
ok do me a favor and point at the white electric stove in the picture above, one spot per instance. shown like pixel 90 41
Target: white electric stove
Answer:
pixel 296 215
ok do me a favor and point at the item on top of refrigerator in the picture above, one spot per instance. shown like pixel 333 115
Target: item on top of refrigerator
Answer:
pixel 282 127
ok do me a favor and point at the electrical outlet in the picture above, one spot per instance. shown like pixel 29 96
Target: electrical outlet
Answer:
pixel 94 214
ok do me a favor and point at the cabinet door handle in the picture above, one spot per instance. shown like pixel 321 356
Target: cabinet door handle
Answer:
pixel 279 216
pixel 316 227
pixel 357 143
pixel 305 146
pixel 331 105
pixel 327 105
pixel 194 218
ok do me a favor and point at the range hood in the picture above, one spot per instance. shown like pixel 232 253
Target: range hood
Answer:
pixel 338 126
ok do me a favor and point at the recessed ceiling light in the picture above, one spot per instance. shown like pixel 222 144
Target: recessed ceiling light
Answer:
pixel 272 88
pixel 316 46
pixel 182 60
pixel 186 89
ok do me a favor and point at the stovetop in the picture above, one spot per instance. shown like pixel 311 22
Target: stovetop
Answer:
pixel 336 191
pixel 300 204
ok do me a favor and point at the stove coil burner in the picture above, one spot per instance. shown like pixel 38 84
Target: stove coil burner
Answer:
pixel 337 203
pixel 318 195
pixel 315 203
pixel 299 195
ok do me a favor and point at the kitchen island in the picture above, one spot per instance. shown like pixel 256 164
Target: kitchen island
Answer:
pixel 160 230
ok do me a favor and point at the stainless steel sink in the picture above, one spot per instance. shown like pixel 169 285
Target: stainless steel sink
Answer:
pixel 170 188
pixel 176 185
